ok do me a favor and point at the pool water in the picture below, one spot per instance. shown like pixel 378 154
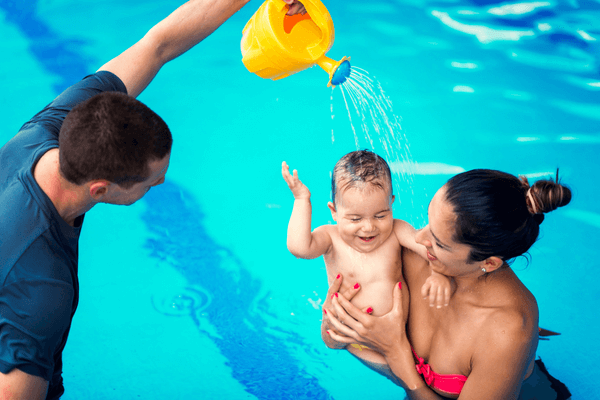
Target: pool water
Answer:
pixel 191 293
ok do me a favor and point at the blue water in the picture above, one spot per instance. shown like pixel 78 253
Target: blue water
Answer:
pixel 191 293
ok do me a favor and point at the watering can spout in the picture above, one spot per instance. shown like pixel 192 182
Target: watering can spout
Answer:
pixel 275 45
pixel 338 71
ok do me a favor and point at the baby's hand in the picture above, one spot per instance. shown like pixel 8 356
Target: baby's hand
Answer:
pixel 298 188
pixel 437 287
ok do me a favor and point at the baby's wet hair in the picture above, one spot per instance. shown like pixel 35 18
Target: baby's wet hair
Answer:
pixel 360 168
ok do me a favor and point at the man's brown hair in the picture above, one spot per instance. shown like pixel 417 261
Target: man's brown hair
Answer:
pixel 111 136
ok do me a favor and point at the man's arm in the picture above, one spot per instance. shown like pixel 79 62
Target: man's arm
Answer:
pixel 180 31
pixel 17 385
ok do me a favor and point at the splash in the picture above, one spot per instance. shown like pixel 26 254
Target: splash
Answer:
pixel 367 103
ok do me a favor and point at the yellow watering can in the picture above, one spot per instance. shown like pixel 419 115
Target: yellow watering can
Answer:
pixel 276 45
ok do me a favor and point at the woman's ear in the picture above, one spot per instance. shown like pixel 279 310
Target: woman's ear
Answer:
pixel 492 263
pixel 331 206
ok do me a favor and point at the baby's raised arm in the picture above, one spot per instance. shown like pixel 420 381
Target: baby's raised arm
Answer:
pixel 300 241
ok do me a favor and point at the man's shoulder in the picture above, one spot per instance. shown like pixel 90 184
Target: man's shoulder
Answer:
pixel 23 222
pixel 38 260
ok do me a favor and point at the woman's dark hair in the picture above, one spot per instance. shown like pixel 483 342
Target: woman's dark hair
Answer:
pixel 360 167
pixel 111 136
pixel 498 214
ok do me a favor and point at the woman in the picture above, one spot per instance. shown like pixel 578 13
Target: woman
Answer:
pixel 483 344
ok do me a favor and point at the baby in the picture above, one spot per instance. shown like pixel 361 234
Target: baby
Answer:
pixel 366 243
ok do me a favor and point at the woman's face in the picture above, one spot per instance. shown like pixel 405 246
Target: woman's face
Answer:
pixel 446 256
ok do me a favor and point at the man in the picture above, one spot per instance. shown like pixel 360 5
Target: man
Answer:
pixel 111 149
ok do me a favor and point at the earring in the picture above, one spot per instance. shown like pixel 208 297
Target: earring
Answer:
pixel 483 269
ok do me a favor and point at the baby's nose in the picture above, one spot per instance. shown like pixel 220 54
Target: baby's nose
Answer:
pixel 368 226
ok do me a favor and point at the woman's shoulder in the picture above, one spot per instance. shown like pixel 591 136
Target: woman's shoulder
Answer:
pixel 513 310
pixel 510 293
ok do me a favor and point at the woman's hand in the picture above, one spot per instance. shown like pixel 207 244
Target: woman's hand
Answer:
pixel 326 326
pixel 384 334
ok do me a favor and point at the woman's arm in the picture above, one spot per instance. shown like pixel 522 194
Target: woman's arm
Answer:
pixel 326 324
pixel 385 334
pixel 503 350
pixel 502 354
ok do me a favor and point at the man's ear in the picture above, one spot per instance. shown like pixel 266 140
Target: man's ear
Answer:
pixel 99 189
pixel 333 211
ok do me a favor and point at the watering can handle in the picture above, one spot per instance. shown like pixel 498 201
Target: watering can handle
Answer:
pixel 320 16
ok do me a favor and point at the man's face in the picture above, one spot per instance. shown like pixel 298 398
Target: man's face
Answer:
pixel 121 196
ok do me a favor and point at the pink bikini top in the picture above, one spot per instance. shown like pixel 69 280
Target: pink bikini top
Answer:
pixel 451 384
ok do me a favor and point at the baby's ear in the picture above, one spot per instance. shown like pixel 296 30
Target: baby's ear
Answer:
pixel 331 206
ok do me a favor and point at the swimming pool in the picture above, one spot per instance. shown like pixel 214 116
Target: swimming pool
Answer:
pixel 192 294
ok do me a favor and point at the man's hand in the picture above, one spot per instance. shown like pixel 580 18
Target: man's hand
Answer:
pixel 295 7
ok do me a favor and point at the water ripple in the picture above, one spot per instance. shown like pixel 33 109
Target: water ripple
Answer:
pixel 189 301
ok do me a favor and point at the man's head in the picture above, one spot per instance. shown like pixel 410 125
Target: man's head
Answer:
pixel 115 139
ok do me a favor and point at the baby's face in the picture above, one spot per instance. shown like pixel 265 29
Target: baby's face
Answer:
pixel 364 217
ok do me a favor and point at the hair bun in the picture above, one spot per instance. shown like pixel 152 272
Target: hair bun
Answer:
pixel 538 218
pixel 545 195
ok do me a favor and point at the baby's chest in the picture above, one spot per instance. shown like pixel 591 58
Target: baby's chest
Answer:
pixel 382 265
pixel 376 272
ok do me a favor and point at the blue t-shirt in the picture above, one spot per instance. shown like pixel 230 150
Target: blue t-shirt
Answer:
pixel 39 288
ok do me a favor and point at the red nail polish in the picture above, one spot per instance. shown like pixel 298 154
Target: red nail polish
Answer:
pixel 338 277
pixel 356 286
pixel 332 295
pixel 400 285
pixel 328 332
pixel 335 294
pixel 325 311
pixel 369 310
